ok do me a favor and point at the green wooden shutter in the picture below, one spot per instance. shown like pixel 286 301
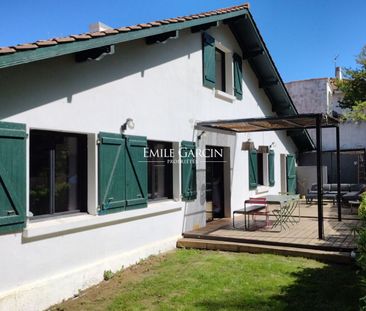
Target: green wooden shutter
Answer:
pixel 12 177
pixel 271 168
pixel 209 62
pixel 253 170
pixel 188 165
pixel 112 194
pixel 291 173
pixel 238 77
pixel 136 172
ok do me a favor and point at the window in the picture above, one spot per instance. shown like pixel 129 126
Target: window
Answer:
pixel 261 168
pixel 160 170
pixel 222 69
pixel 58 173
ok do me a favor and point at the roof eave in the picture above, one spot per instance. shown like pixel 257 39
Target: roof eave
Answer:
pixel 23 57
pixel 286 105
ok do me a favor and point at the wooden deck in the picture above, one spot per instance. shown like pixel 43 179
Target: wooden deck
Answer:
pixel 304 234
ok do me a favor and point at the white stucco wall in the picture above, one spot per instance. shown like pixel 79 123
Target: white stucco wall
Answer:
pixel 352 136
pixel 160 87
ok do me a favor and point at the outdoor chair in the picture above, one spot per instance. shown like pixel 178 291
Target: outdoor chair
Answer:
pixel 331 191
pixel 355 193
pixel 253 207
pixel 284 215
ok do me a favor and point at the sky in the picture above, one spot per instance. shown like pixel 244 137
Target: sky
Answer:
pixel 303 37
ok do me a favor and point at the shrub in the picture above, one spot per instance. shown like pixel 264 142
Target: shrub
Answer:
pixel 107 275
pixel 361 245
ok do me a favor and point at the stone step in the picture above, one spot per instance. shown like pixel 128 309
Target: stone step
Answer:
pixel 327 256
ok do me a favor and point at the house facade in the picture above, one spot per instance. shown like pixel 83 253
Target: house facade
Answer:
pixel 101 163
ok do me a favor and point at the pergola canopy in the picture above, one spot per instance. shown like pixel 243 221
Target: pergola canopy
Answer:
pixel 296 122
pixel 292 124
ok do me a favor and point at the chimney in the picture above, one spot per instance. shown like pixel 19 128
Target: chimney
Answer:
pixel 98 26
pixel 338 73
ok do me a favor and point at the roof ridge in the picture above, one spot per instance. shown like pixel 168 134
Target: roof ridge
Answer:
pixel 109 32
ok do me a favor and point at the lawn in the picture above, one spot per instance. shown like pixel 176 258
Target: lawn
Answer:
pixel 204 280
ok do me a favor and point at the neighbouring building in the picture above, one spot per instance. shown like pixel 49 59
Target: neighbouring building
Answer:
pixel 321 95
pixel 101 163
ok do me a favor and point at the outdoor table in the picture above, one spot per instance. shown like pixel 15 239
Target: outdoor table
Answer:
pixel 255 206
pixel 281 199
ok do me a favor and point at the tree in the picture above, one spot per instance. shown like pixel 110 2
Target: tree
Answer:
pixel 354 89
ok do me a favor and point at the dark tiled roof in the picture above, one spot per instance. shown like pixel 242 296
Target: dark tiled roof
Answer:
pixel 111 32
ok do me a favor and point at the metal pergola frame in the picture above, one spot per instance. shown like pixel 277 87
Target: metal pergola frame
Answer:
pixel 316 121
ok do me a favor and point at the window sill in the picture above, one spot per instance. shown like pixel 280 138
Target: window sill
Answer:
pixel 37 230
pixel 224 96
pixel 261 189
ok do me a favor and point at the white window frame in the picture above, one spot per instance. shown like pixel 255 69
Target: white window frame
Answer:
pixel 261 188
pixel 229 74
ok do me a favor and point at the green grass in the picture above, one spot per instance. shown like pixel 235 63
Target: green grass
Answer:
pixel 203 280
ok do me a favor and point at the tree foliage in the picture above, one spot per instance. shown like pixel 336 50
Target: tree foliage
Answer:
pixel 354 89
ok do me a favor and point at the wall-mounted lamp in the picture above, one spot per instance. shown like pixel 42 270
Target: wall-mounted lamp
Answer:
pixel 248 145
pixel 273 145
pixel 200 136
pixel 129 123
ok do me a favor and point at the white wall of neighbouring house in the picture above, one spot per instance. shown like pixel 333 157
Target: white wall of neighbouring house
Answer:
pixel 160 87
pixel 352 136
pixel 321 96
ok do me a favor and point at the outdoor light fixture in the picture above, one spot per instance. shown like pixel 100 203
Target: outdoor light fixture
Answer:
pixel 248 145
pixel 273 145
pixel 129 123
pixel 200 136
pixel 263 149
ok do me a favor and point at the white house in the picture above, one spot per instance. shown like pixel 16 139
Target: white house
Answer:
pixel 101 163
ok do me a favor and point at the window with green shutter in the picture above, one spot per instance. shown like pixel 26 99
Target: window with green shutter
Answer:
pixel 253 170
pixel 222 70
pixel 271 168
pixel 12 177
pixel 188 166
pixel 122 172
pixel 209 62
pixel 238 77
pixel 136 172
pixel 112 173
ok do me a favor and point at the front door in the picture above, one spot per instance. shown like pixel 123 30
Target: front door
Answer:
pixel 214 182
